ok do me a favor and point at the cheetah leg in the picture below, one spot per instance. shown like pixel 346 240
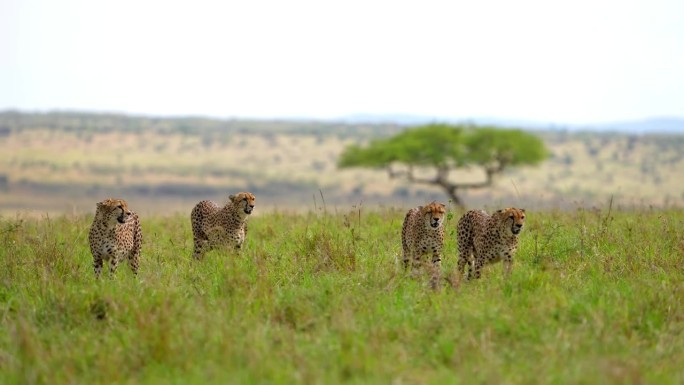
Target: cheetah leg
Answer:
pixel 113 264
pixel 133 262
pixel 508 266
pixel 416 262
pixel 198 253
pixel 97 265
pixel 463 259
pixel 200 240
pixel 406 257
pixel 474 271
pixel 465 256
pixel 436 270
pixel 201 247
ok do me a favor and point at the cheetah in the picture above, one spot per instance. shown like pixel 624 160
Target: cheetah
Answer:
pixel 423 232
pixel 115 235
pixel 485 239
pixel 213 226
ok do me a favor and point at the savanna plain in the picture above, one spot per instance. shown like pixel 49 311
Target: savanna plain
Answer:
pixel 56 163
pixel 318 294
pixel 596 296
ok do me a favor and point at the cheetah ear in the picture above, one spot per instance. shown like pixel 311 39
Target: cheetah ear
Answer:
pixel 499 210
pixel 231 197
pixel 523 210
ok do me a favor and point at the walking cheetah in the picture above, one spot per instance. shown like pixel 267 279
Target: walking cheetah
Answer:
pixel 485 239
pixel 213 226
pixel 423 232
pixel 115 235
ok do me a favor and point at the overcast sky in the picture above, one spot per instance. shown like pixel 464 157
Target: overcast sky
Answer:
pixel 572 62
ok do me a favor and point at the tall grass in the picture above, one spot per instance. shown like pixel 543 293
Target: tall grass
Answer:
pixel 595 297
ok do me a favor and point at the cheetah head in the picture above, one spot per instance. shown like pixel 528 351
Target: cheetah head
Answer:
pixel 434 214
pixel 513 218
pixel 243 200
pixel 113 211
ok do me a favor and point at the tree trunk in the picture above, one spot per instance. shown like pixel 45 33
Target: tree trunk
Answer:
pixel 442 180
pixel 451 192
pixel 455 199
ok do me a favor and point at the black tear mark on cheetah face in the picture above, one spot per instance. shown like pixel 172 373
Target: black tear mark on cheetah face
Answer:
pixel 514 217
pixel 115 209
pixel 244 200
pixel 434 214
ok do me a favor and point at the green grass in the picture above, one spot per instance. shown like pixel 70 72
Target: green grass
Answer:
pixel 595 297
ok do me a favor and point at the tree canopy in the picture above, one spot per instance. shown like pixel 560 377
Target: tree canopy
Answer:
pixel 445 147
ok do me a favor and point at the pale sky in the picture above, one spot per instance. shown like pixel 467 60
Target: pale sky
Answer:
pixel 567 62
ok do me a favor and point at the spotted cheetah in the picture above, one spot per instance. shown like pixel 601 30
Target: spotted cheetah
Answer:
pixel 489 239
pixel 423 232
pixel 115 235
pixel 213 226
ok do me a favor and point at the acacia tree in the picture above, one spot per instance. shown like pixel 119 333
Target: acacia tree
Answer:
pixel 444 148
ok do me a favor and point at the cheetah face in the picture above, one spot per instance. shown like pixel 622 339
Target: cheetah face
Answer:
pixel 113 211
pixel 244 200
pixel 514 219
pixel 434 214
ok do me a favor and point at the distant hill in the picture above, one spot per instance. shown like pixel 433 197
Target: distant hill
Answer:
pixel 350 125
pixel 672 125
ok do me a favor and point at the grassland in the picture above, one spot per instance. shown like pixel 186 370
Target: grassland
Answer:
pixel 596 296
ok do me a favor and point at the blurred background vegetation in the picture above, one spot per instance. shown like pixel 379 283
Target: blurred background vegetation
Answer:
pixel 65 162
pixel 445 149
